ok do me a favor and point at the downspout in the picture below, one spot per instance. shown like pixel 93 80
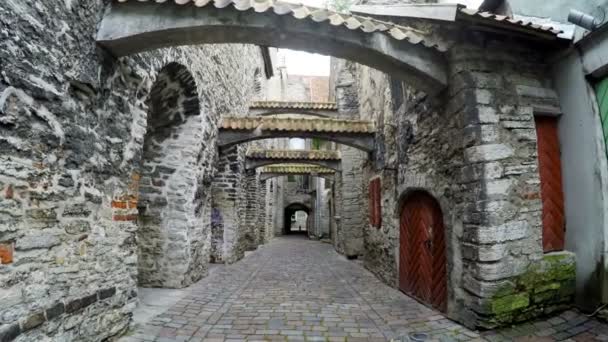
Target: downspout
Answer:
pixel 318 231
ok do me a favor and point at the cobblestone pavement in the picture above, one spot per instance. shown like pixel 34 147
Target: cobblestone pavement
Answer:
pixel 294 289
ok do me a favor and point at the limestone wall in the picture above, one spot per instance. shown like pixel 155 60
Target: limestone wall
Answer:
pixel 474 150
pixel 72 130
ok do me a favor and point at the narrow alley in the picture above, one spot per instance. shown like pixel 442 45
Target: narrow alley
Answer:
pixel 303 170
pixel 296 289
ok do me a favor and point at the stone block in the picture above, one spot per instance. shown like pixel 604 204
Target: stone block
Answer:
pixel 55 311
pixel 487 153
pixel 503 269
pixel 48 214
pixel 499 186
pixel 76 210
pixel 106 293
pixel 77 227
pixel 40 241
pixel 33 321
pixel 9 332
pixel 509 231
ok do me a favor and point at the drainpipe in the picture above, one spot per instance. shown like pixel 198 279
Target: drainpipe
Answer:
pixel 318 231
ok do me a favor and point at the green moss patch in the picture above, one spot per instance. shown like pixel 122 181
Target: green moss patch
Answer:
pixel 546 286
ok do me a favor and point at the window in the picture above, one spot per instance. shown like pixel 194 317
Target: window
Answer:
pixel 375 198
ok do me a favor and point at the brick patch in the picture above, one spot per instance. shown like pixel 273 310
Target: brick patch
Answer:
pixel 6 253
pixel 130 204
pixel 122 218
pixel 9 193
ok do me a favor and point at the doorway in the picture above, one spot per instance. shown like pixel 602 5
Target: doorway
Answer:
pixel 422 251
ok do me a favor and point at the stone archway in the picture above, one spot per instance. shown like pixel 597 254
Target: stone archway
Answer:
pixel 291 210
pixel 170 234
pixel 414 55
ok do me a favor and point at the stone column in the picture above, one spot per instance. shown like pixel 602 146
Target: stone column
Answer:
pixel 228 207
pixel 505 275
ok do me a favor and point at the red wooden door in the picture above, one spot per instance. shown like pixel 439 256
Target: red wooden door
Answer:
pixel 552 193
pixel 422 254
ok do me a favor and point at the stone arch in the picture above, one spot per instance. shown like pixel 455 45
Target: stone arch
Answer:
pixel 265 177
pixel 170 234
pixel 283 112
pixel 130 27
pixel 330 164
pixel 293 208
pixel 360 141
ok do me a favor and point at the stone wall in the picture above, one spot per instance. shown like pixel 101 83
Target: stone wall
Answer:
pixel 474 150
pixel 72 130
pixel 228 203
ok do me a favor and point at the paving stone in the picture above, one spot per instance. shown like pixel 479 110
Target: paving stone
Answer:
pixel 299 290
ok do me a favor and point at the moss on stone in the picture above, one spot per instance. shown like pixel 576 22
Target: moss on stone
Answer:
pixel 510 303
pixel 545 285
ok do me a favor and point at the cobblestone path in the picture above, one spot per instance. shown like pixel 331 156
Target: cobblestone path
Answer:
pixel 294 289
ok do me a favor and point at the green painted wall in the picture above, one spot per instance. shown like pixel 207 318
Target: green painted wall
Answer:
pixel 602 97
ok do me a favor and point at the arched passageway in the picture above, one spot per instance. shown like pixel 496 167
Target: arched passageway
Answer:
pixel 170 147
pixel 297 219
pixel 422 250
pixel 134 26
pixel 324 158
pixel 359 134
pixel 315 109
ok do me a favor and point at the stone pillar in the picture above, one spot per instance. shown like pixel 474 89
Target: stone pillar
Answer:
pixel 353 206
pixel 228 207
pixel 253 207
pixel 505 275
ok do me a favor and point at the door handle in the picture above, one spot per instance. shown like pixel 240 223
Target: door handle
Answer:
pixel 429 244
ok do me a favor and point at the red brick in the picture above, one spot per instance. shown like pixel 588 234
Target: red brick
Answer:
pixel 125 218
pixel 6 253
pixel 9 193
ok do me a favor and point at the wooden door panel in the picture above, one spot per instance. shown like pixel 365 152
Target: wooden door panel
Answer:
pixel 552 194
pixel 422 269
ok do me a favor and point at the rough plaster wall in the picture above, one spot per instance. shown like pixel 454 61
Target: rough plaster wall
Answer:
pixel 72 131
pixel 584 173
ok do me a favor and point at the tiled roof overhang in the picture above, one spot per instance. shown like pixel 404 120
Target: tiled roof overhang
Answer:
pixel 297 124
pixel 294 105
pixel 455 12
pixel 300 11
pixel 359 134
pixel 506 23
pixel 294 154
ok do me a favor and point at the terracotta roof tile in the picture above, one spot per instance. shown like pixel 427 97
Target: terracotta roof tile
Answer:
pixel 299 11
pixel 294 154
pixel 294 105
pixel 297 124
pixel 297 169
pixel 508 22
